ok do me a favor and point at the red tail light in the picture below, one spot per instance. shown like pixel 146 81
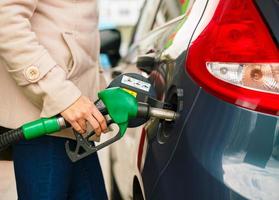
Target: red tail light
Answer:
pixel 236 59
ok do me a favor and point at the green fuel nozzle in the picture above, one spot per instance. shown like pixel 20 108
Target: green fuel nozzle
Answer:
pixel 119 103
pixel 122 107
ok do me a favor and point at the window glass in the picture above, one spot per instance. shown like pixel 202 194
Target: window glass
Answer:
pixel 168 10
pixel 146 19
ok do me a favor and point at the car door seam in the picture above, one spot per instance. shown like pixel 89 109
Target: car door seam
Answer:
pixel 187 117
pixel 175 147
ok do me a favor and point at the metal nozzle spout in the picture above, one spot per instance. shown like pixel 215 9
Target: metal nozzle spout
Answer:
pixel 168 115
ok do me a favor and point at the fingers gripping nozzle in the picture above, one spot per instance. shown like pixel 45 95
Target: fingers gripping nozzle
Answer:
pixel 120 106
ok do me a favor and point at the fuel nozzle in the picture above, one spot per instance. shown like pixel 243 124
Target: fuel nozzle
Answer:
pixel 146 111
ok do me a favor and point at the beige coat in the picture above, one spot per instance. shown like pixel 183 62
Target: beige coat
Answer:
pixel 49 53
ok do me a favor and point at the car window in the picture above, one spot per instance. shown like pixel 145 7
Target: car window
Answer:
pixel 167 11
pixel 156 13
pixel 146 19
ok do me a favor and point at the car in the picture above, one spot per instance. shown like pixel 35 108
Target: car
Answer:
pixel 217 63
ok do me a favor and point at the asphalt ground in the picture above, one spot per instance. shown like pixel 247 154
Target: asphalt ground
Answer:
pixel 7 181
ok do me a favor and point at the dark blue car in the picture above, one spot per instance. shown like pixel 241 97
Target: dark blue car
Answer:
pixel 217 63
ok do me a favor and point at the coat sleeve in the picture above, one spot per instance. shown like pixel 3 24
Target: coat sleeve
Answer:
pixel 29 63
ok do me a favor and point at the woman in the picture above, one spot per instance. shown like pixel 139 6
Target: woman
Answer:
pixel 49 65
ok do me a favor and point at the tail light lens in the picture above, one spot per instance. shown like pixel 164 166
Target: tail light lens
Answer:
pixel 255 76
pixel 236 59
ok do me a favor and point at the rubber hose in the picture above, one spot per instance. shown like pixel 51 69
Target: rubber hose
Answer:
pixel 10 137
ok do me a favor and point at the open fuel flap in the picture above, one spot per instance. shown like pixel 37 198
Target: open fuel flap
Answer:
pixel 160 130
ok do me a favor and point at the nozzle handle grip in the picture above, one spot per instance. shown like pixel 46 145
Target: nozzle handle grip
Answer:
pixel 87 146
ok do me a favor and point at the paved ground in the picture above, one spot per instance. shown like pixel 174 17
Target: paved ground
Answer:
pixel 7 181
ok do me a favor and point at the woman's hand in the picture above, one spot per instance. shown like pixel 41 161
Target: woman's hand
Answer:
pixel 82 111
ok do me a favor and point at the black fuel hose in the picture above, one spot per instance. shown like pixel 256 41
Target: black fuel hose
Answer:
pixel 10 137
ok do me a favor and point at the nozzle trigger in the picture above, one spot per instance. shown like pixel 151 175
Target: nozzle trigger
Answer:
pixel 84 147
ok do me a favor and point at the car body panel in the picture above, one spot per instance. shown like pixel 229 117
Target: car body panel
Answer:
pixel 211 139
pixel 269 9
pixel 221 148
pixel 124 162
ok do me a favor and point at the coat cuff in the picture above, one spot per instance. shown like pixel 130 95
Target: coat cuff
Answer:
pixel 60 93
pixel 34 72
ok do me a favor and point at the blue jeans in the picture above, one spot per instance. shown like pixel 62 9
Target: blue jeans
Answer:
pixel 44 172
